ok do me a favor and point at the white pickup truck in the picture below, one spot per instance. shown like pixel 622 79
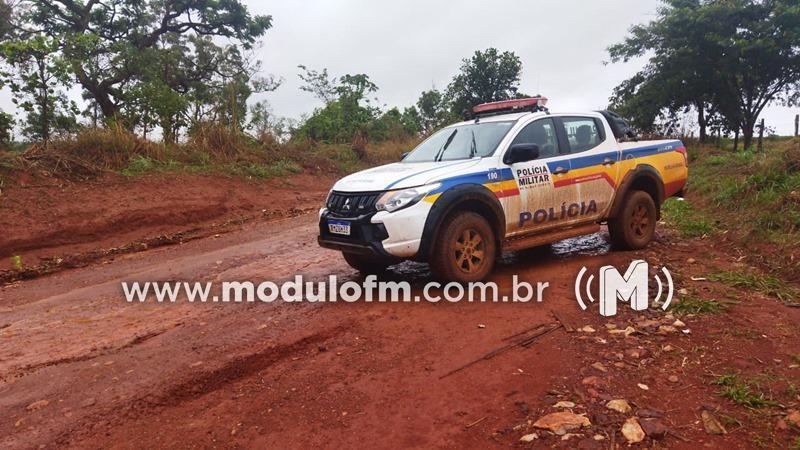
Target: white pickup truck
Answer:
pixel 514 176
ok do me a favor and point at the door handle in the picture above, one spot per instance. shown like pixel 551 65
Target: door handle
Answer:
pixel 608 161
pixel 560 170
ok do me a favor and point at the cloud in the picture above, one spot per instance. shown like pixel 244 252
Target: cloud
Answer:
pixel 410 46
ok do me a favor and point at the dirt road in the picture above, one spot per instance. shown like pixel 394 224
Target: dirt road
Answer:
pixel 80 367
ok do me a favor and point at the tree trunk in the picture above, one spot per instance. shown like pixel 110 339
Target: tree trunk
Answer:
pixel 747 133
pixel 44 102
pixel 701 121
pixel 736 140
pixel 108 107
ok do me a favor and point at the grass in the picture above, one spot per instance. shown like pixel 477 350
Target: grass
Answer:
pixel 16 262
pixel 688 221
pixel 765 284
pixel 263 171
pixel 792 390
pixel 142 165
pixel 691 304
pixel 742 392
pixel 211 148
pixel 753 196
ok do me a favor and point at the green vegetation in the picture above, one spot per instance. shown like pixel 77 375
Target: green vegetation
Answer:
pixel 348 115
pixel 764 284
pixel 142 165
pixel 795 445
pixel 16 262
pixel 746 393
pixel 688 221
pixel 791 390
pixel 753 197
pixel 692 304
pixel 145 81
pixel 739 65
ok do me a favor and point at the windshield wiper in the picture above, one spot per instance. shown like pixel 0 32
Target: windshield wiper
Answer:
pixel 440 153
pixel 473 148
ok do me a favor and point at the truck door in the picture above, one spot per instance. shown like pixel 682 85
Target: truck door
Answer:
pixel 534 207
pixel 586 193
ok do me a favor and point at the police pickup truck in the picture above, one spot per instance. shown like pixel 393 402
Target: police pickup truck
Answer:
pixel 513 176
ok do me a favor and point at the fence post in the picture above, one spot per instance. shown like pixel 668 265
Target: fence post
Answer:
pixel 761 136
pixel 796 124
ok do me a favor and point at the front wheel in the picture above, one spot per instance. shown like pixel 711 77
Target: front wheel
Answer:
pixel 465 249
pixel 635 225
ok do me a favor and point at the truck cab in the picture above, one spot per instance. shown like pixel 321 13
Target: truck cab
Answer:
pixel 514 176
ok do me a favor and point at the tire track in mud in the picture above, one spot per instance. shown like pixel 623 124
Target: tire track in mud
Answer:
pixel 56 264
pixel 197 385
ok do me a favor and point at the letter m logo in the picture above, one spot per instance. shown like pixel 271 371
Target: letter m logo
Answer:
pixel 631 287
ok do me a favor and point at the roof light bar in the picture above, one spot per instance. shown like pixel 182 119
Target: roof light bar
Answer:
pixel 521 104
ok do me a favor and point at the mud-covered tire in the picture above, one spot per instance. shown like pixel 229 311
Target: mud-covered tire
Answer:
pixel 365 264
pixel 635 224
pixel 465 249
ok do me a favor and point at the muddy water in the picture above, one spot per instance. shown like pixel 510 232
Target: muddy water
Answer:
pixel 589 245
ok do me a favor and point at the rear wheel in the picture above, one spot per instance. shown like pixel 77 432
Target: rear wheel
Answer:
pixel 365 264
pixel 635 225
pixel 465 249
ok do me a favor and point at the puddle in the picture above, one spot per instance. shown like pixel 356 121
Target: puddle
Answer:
pixel 590 244
pixel 411 271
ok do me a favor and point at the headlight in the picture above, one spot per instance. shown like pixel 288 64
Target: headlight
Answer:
pixel 394 200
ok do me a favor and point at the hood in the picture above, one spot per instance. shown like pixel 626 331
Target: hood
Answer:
pixel 401 175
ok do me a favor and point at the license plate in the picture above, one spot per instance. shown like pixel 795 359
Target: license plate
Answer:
pixel 339 227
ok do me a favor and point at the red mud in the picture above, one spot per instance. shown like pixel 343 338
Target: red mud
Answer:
pixel 49 217
pixel 80 367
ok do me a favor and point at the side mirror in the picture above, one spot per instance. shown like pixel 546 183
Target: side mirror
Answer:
pixel 404 155
pixel 520 153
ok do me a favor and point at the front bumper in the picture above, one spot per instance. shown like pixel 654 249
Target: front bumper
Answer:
pixel 365 237
pixel 394 235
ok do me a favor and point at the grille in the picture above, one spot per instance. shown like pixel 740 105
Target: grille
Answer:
pixel 353 204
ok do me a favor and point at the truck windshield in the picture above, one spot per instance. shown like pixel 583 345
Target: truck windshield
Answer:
pixel 461 142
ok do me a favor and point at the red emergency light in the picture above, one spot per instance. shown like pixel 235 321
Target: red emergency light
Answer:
pixel 521 104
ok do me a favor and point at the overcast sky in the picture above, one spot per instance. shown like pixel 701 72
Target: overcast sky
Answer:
pixel 410 46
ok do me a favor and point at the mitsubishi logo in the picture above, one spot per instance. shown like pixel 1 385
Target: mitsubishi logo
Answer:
pixel 346 204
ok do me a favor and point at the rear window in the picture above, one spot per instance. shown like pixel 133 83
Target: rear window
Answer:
pixel 583 133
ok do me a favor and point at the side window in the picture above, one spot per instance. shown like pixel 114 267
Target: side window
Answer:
pixel 542 133
pixel 583 133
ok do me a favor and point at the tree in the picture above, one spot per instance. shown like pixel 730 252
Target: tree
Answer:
pixel 347 115
pixel 104 42
pixel 411 120
pixel 6 129
pixel 762 62
pixel 726 59
pixel 322 86
pixel 34 74
pixel 487 76
pixel 432 110
pixel 266 127
pixel 5 19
